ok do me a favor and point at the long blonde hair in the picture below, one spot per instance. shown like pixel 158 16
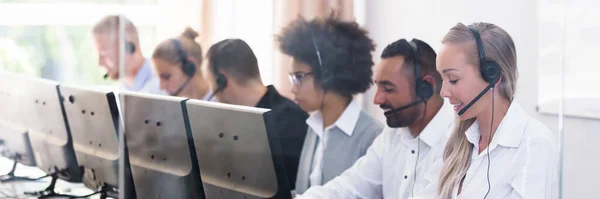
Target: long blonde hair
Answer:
pixel 498 46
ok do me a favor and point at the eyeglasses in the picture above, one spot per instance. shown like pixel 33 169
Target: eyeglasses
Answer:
pixel 297 77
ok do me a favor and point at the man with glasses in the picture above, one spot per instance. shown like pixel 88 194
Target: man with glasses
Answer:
pixel 235 79
pixel 331 63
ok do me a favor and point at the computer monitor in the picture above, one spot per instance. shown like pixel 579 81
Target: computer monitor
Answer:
pixel 15 145
pixel 163 162
pixel 14 138
pixel 94 119
pixel 239 156
pixel 48 129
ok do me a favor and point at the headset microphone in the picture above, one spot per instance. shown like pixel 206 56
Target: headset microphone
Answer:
pixel 488 87
pixel 394 111
pixel 423 89
pixel 221 82
pixel 188 67
pixel 489 69
pixel 490 72
pixel 176 93
pixel 105 76
pixel 213 94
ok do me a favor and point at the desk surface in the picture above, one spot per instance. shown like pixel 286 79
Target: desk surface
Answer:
pixel 17 188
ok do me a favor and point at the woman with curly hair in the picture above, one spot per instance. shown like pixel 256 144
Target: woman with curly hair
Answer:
pixel 331 62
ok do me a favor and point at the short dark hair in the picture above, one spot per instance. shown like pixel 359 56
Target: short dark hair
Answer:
pixel 427 57
pixel 344 47
pixel 235 57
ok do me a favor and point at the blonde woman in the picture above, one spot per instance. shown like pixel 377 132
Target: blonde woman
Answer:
pixel 496 150
pixel 177 62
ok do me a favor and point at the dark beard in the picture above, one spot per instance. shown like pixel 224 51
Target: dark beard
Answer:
pixel 401 119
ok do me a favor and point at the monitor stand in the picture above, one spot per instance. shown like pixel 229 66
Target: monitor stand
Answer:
pixel 10 176
pixel 50 192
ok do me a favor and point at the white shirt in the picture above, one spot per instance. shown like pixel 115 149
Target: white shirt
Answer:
pixel 346 122
pixel 388 168
pixel 523 157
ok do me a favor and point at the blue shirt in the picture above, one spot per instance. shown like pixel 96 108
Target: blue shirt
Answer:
pixel 207 96
pixel 145 81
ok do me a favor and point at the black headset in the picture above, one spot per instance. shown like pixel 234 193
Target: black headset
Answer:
pixel 490 70
pixel 188 67
pixel 221 80
pixel 326 78
pixel 129 48
pixel 423 88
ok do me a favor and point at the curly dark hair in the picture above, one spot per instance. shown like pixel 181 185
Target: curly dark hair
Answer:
pixel 344 47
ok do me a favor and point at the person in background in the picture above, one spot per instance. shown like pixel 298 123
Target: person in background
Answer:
pixel 496 150
pixel 234 76
pixel 408 88
pixel 331 63
pixel 178 63
pixel 138 75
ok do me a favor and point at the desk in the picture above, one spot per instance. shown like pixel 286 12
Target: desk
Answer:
pixel 16 189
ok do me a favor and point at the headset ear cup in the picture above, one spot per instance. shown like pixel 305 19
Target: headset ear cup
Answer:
pixel 325 79
pixel 130 47
pixel 221 81
pixel 189 68
pixel 490 71
pixel 326 82
pixel 424 90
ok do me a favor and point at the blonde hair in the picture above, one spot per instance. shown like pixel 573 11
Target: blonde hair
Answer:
pixel 167 51
pixel 110 25
pixel 499 47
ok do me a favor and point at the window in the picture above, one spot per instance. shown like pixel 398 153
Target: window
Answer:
pixel 84 1
pixel 251 21
pixel 56 43
pixel 575 46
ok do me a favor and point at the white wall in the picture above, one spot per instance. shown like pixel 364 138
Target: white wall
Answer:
pixel 429 20
pixel 232 21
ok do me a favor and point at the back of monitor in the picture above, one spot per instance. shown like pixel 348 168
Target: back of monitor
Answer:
pixel 159 147
pixel 13 134
pixel 48 129
pixel 236 152
pixel 16 144
pixel 93 119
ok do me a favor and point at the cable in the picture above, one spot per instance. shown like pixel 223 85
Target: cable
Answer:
pixel 412 191
pixel 488 148
pixel 85 196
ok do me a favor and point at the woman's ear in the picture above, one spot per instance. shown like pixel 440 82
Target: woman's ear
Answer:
pixel 498 82
pixel 191 59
